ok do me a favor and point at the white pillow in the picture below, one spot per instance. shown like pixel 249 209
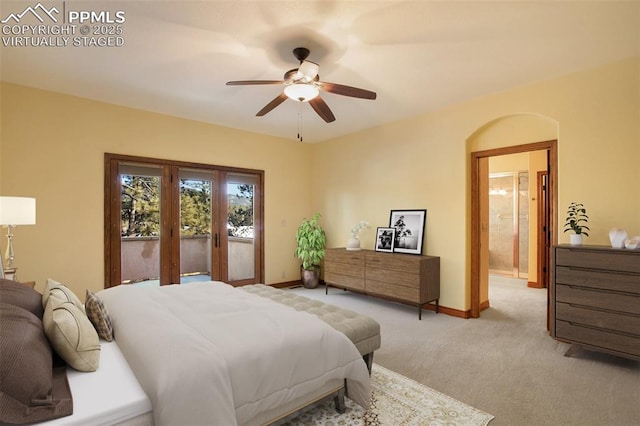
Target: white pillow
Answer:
pixel 71 334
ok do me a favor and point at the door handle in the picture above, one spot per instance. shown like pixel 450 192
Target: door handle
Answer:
pixel 216 240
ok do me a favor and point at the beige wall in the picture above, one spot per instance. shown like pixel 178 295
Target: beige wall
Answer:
pixel 423 162
pixel 50 141
pixel 52 148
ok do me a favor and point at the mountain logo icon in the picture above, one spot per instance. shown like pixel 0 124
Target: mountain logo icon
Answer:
pixel 39 11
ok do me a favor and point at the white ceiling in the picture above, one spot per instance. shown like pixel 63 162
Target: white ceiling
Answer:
pixel 417 55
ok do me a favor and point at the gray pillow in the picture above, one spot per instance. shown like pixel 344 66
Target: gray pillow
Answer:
pixel 14 293
pixel 31 390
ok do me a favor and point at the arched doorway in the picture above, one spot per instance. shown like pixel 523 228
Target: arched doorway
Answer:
pixel 504 136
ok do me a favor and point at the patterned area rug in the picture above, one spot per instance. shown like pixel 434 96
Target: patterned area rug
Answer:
pixel 396 401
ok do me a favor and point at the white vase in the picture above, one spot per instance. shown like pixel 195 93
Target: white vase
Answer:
pixel 575 239
pixel 353 244
pixel 617 237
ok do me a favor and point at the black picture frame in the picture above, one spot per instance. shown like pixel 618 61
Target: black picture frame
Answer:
pixel 385 238
pixel 409 226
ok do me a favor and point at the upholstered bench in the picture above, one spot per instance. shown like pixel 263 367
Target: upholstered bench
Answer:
pixel 362 330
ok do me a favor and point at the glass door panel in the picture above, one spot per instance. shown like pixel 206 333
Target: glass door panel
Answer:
pixel 501 224
pixel 240 227
pixel 509 224
pixel 523 224
pixel 140 223
pixel 196 209
pixel 172 222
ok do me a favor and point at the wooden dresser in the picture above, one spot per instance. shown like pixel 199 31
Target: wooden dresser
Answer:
pixel 402 277
pixel 596 299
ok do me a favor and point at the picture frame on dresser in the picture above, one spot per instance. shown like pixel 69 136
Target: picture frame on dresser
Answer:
pixel 409 226
pixel 385 237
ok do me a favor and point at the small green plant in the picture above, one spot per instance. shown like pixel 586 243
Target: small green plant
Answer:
pixel 311 241
pixel 577 219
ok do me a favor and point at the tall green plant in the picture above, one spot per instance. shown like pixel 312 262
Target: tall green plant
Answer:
pixel 311 241
pixel 577 219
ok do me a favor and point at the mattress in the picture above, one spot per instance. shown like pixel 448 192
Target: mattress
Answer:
pixel 107 396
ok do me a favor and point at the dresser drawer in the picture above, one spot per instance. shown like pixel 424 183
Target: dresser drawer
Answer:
pixel 598 299
pixel 610 260
pixel 397 262
pixel 602 319
pixel 344 269
pixel 355 258
pixel 381 288
pixel 342 280
pixel 626 345
pixel 614 281
pixel 405 279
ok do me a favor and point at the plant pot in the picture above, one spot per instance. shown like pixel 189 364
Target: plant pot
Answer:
pixel 575 239
pixel 310 279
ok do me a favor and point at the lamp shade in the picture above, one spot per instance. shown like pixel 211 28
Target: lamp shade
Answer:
pixel 17 211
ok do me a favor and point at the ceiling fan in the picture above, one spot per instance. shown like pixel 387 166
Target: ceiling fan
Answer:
pixel 303 84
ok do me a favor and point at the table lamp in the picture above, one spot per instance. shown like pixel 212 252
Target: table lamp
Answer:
pixel 15 211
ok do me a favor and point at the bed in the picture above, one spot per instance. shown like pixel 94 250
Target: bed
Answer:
pixel 210 351
pixel 207 353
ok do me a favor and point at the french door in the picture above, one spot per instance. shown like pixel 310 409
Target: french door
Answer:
pixel 169 222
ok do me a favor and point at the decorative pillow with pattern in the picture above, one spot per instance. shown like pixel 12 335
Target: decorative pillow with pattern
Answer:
pixel 99 316
pixel 62 292
pixel 71 334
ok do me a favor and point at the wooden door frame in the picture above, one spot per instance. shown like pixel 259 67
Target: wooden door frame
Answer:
pixel 543 231
pixel 170 258
pixel 552 169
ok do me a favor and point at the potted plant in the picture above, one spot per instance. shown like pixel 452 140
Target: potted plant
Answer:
pixel 576 221
pixel 311 241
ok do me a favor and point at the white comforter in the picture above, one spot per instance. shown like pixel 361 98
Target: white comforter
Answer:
pixel 207 353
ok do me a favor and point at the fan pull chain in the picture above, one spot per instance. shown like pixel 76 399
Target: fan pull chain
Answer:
pixel 299 120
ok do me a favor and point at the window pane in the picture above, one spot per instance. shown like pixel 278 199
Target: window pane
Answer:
pixel 240 227
pixel 140 223
pixel 195 225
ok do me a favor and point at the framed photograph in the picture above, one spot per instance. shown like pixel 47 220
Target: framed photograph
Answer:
pixel 384 239
pixel 409 226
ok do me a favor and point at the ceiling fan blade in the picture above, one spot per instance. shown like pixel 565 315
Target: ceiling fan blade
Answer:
pixel 271 105
pixel 354 92
pixel 323 110
pixel 253 82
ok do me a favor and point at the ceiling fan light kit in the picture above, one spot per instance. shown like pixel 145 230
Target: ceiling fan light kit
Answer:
pixel 301 92
pixel 307 71
pixel 303 84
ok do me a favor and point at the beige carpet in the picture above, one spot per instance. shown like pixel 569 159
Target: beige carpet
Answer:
pixel 504 362
pixel 396 401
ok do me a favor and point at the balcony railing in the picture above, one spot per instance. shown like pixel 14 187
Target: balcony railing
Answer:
pixel 141 257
